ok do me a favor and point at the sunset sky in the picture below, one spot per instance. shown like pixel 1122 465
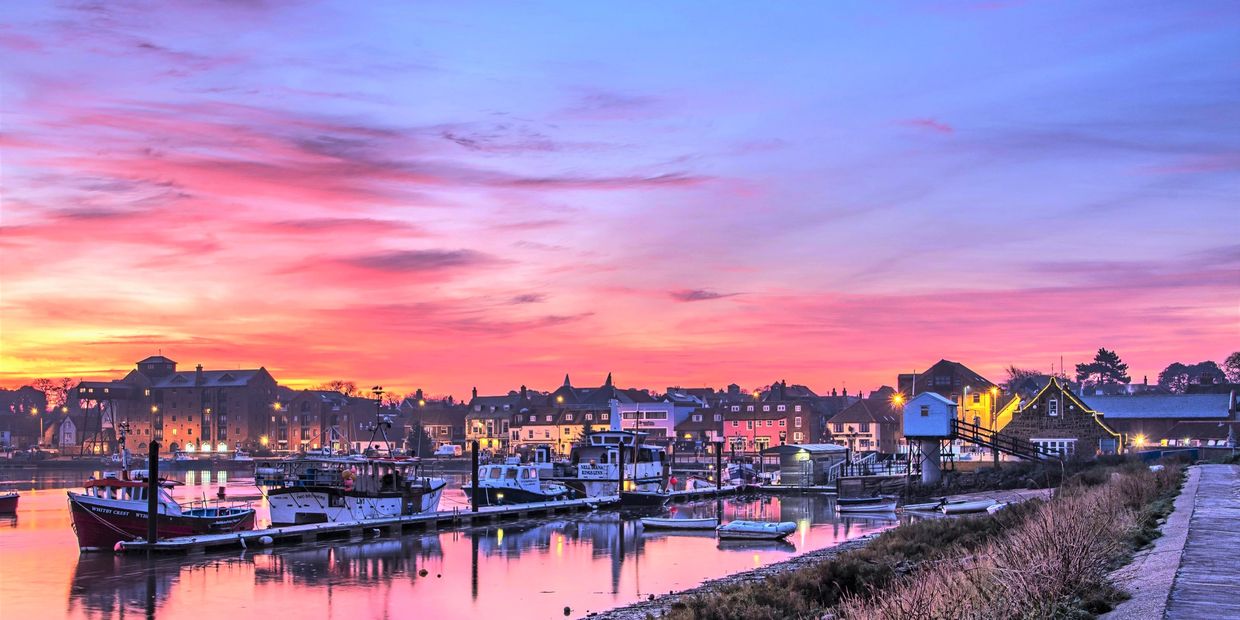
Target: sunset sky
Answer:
pixel 443 195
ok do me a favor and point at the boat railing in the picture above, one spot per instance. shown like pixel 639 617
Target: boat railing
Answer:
pixel 218 504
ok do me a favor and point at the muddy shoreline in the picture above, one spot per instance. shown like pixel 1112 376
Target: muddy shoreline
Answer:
pixel 657 607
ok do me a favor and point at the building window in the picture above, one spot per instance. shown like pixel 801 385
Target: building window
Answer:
pixel 977 397
pixel 770 422
pixel 797 409
pixel 531 435
pixel 1052 408
pixel 783 422
pixel 865 427
pixel 589 416
pixel 735 424
pixel 925 411
pixel 697 417
pixel 718 417
pixel 796 421
pixel 782 408
pixel 749 424
pixel 798 436
pixel 568 417
pixel 766 407
pixel 749 408
pixel 604 416
pixel 838 428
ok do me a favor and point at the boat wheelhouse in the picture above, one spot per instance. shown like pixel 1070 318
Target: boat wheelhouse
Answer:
pixel 593 468
pixel 111 510
pixel 333 489
pixel 506 484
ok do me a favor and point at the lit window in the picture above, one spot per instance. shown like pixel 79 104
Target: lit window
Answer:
pixel 782 408
pixel 736 407
pixel 796 408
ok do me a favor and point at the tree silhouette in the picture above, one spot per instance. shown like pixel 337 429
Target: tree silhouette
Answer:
pixel 1232 367
pixel 1106 369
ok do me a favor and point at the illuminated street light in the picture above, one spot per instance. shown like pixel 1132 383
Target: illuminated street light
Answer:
pixel 264 441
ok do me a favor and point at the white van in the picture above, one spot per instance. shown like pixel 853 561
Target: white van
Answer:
pixel 449 450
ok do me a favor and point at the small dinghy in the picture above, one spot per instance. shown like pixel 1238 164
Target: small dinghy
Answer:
pixel 996 508
pixel 965 507
pixel 755 530
pixel 847 501
pixel 661 523
pixel 881 505
pixel 8 503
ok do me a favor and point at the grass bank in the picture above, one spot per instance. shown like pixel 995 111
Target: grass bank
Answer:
pixel 1035 559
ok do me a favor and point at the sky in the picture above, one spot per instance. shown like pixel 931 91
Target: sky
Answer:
pixel 445 195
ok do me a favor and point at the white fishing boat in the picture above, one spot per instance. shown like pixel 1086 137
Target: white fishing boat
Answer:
pixel 334 489
pixel 882 505
pixel 755 530
pixel 502 485
pixel 662 523
pixel 965 507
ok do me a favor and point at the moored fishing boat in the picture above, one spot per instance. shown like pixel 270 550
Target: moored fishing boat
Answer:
pixel 111 510
pixel 663 523
pixel 334 489
pixel 8 503
pixel 500 485
pixel 755 530
pixel 846 501
pixel 965 507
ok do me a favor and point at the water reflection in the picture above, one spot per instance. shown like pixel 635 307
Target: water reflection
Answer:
pixel 513 569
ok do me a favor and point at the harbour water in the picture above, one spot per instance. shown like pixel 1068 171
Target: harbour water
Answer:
pixel 517 569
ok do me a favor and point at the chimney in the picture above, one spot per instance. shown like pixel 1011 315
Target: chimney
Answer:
pixel 475 392
pixel 523 392
pixel 198 380
pixel 418 395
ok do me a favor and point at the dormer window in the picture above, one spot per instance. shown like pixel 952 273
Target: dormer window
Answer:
pixel 1052 408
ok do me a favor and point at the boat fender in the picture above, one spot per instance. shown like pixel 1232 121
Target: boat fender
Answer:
pixel 265 540
pixel 242 541
pixel 118 547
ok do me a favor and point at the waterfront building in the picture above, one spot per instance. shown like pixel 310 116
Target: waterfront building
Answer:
pixel 978 397
pixel 700 430
pixel 187 410
pixel 1168 419
pixel 442 419
pixel 1059 422
pixel 870 425
pixel 489 419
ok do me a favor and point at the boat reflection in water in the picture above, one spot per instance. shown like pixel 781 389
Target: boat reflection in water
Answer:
pixel 588 562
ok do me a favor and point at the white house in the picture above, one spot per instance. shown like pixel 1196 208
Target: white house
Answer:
pixel 657 420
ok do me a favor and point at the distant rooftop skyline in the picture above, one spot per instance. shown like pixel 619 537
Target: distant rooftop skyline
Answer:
pixel 444 195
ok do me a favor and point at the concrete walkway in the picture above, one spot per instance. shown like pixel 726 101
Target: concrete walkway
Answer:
pixel 1207 584
pixel 1150 575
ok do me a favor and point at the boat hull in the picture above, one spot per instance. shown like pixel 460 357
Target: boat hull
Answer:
pixel 302 505
pixel 494 496
pixel 886 506
pixel 8 503
pixel 639 498
pixel 100 525
pixel 967 507
pixel 653 523
pixel 755 530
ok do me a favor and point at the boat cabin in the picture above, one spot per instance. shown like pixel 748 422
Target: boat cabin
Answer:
pixel 509 477
pixel 131 491
pixel 367 476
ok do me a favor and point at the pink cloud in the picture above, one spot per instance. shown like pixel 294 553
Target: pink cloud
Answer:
pixel 928 123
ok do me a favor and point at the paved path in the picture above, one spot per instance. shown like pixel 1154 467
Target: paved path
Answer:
pixel 1150 575
pixel 1207 584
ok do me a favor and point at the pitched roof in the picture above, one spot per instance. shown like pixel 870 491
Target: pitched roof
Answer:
pixel 1169 406
pixel 156 359
pixel 877 410
pixel 210 378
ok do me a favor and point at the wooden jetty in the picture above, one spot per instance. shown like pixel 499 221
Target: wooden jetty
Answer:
pixel 385 526
pixel 393 526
